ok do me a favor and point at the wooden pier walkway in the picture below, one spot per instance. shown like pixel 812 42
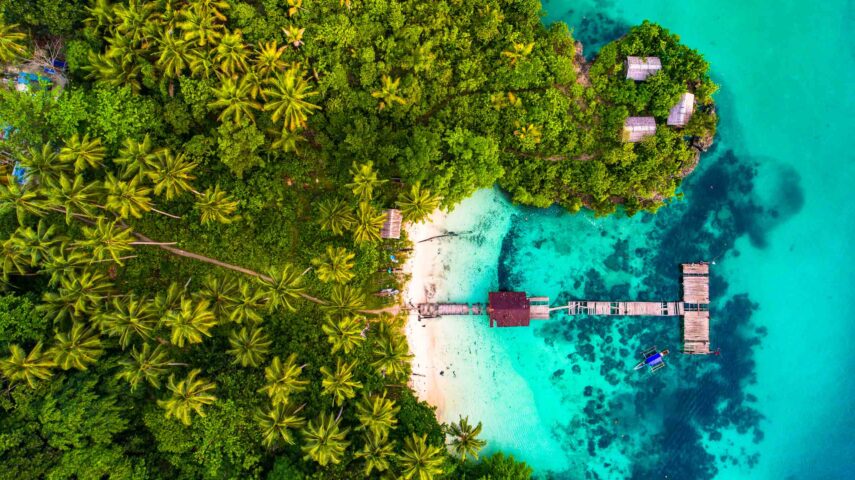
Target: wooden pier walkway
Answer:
pixel 517 309
pixel 694 308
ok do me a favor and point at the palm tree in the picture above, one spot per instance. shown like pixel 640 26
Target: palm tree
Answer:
pixel 11 43
pixel 100 15
pixel 136 158
pixel 345 299
pixel 418 203
pixel 145 365
pixel 78 196
pixel 232 54
pixel 80 294
pixel 188 395
pixel 77 348
pixel 278 423
pixel 288 98
pixel 466 441
pixel 107 70
pixel 216 206
pixel 268 59
pixel 286 140
pixel 364 181
pixel 201 62
pixel 169 301
pixel 220 294
pixel 129 319
pixel 133 20
pixel 236 100
pixel 294 6
pixel 25 201
pixel 377 415
pixel 174 57
pixel 323 440
pixel 212 7
pixel 43 164
pixel 14 261
pixel 249 347
pixel 518 52
pixel 190 322
pixel 62 261
pixel 108 240
pixel 335 215
pixel 127 198
pixel 199 27
pixel 344 334
pixel 369 222
pixel 82 152
pixel 388 93
pixel 248 304
pixel 283 379
pixel 391 354
pixel 38 243
pixel 26 367
pixel 172 174
pixel 376 452
pixel 420 460
pixel 340 384
pixel 282 286
pixel 336 265
pixel 294 35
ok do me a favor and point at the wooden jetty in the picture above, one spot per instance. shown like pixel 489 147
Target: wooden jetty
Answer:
pixel 694 308
pixel 516 309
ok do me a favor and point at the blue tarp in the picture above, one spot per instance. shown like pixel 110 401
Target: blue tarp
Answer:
pixel 20 174
pixel 59 64
pixel 654 359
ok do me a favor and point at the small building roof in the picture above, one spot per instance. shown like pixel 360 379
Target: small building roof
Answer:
pixel 639 68
pixel 636 129
pixel 508 309
pixel 681 112
pixel 392 225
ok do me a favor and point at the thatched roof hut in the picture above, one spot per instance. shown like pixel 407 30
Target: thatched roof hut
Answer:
pixel 681 112
pixel 636 129
pixel 639 68
pixel 392 225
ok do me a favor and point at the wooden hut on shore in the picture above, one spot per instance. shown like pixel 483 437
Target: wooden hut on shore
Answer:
pixel 681 113
pixel 639 68
pixel 509 309
pixel 636 129
pixel 392 225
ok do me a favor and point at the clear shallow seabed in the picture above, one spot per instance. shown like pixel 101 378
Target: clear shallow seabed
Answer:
pixel 771 204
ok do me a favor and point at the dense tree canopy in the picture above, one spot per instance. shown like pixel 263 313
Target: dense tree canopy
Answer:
pixel 191 239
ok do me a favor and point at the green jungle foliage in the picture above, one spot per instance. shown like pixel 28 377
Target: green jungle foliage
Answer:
pixel 193 263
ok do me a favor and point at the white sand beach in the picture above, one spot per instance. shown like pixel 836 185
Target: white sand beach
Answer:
pixel 425 271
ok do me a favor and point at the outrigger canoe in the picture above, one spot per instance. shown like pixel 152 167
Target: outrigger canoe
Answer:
pixel 653 358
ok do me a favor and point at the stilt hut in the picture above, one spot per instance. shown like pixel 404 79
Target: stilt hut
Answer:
pixel 509 309
pixel 636 129
pixel 681 113
pixel 392 225
pixel 639 68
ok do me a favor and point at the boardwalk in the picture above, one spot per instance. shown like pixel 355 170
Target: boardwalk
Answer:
pixel 694 308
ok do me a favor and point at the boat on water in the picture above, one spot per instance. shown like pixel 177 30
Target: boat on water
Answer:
pixel 652 358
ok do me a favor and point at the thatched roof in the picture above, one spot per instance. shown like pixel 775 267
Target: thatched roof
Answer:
pixel 681 112
pixel 636 129
pixel 392 225
pixel 639 68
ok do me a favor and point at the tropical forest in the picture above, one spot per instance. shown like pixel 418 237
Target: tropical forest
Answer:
pixel 195 280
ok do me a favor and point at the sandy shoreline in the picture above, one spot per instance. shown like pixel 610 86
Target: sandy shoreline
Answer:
pixel 425 270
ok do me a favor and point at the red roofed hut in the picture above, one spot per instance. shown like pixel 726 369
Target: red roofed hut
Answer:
pixel 509 309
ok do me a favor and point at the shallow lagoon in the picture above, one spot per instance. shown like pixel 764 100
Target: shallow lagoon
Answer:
pixel 770 205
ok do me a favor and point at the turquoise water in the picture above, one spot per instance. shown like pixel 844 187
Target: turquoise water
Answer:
pixel 770 204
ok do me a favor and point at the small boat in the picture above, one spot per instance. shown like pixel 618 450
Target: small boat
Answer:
pixel 653 358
